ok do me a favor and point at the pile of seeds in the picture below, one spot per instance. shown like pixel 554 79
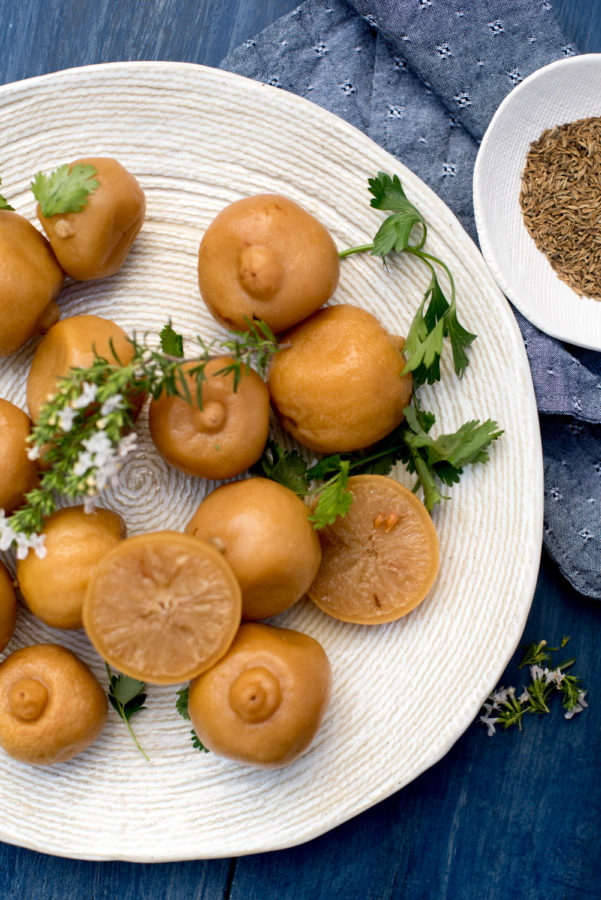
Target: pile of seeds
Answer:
pixel 561 202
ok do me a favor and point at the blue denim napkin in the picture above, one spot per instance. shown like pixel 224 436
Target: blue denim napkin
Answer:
pixel 423 78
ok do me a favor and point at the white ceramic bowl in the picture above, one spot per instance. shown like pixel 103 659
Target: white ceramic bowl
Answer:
pixel 561 92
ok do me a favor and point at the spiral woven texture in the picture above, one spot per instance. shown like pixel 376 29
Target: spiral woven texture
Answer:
pixel 403 693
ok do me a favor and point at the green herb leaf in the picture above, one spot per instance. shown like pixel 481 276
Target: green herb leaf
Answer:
pixel 127 696
pixel 287 467
pixel 394 233
pixel 181 706
pixel 4 203
pixel 334 499
pixel 66 190
pixel 172 343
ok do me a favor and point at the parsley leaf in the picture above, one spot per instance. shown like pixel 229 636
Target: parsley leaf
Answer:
pixel 395 231
pixel 4 203
pixel 181 705
pixel 334 499
pixel 66 190
pixel 127 696
pixel 287 467
pixel 172 343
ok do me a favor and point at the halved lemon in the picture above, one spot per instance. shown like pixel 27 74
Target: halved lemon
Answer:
pixel 162 607
pixel 380 560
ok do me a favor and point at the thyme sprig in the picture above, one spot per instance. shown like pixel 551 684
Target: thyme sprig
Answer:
pixel 85 430
pixel 505 708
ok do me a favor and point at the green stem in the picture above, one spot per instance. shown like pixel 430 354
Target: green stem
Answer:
pixel 361 248
pixel 421 254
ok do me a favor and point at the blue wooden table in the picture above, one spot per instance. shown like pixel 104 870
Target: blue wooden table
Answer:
pixel 517 815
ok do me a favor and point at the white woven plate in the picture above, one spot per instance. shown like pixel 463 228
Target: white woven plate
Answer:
pixel 403 693
pixel 561 92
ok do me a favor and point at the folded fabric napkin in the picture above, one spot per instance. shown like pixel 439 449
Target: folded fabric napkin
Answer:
pixel 423 78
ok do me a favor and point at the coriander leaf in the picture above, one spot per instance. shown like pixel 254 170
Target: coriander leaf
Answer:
pixel 460 448
pixel 395 231
pixel 460 339
pixel 334 500
pixel 327 465
pixel 287 467
pixel 127 696
pixel 4 203
pixel 172 343
pixel 197 743
pixel 66 190
pixel 181 704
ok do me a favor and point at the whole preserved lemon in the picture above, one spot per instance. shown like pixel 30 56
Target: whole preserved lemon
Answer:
pixel 8 607
pixel 51 705
pixel 30 280
pixel 379 560
pixel 94 242
pixel 223 436
pixel 162 607
pixel 262 529
pixel 266 257
pixel 71 344
pixel 265 700
pixel 54 587
pixel 18 473
pixel 337 385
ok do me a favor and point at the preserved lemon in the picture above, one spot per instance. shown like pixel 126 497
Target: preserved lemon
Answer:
pixel 162 607
pixel 379 560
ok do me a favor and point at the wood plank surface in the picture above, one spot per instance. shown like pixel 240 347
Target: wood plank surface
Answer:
pixel 517 815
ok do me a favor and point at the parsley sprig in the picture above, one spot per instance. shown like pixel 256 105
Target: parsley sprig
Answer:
pixel 505 708
pixel 4 204
pixel 435 461
pixel 436 316
pixel 85 430
pixel 181 705
pixel 66 190
pixel 127 696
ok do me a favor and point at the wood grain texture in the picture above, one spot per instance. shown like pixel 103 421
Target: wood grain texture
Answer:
pixel 512 816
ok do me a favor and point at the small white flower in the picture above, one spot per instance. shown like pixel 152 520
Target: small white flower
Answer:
pixel 37 543
pixel 524 696
pixel 127 444
pixel 490 723
pixel 33 452
pixel 87 396
pixel 536 673
pixel 499 697
pixel 111 405
pixel 84 462
pixel 89 504
pixel 65 418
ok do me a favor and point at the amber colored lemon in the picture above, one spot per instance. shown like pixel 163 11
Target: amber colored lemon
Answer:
pixel 54 587
pixel 8 607
pixel 337 384
pixel 71 344
pixel 162 607
pixel 18 474
pixel 30 279
pixel 51 705
pixel 266 257
pixel 221 438
pixel 94 242
pixel 262 529
pixel 380 560
pixel 264 701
